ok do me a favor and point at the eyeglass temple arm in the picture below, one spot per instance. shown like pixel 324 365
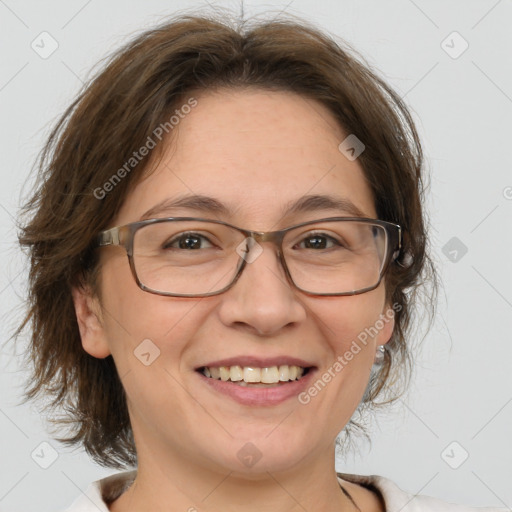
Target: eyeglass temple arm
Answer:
pixel 398 243
pixel 108 237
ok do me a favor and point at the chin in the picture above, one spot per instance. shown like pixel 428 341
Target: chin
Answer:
pixel 253 457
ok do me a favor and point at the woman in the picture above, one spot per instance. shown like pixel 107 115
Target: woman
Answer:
pixel 226 244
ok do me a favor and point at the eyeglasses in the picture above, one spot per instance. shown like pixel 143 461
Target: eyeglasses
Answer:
pixel 194 257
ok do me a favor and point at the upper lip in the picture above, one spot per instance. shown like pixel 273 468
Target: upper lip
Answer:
pixel 258 362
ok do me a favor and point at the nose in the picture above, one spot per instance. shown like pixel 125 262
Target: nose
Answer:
pixel 262 300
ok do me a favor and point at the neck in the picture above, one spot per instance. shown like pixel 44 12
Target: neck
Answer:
pixel 185 486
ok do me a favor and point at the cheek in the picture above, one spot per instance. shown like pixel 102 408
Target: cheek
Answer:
pixel 138 323
pixel 148 341
pixel 352 320
pixel 349 343
pixel 350 325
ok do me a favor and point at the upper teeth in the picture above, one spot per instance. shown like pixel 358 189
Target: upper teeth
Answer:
pixel 268 375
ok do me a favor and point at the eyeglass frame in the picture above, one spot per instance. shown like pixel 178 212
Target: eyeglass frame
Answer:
pixel 124 236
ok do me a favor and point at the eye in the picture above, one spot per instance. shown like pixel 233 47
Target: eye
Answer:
pixel 187 241
pixel 318 241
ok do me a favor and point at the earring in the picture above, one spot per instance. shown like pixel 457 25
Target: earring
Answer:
pixel 379 355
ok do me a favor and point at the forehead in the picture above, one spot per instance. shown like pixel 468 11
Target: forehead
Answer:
pixel 256 151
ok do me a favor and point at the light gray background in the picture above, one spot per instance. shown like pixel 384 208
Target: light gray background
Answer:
pixel 462 390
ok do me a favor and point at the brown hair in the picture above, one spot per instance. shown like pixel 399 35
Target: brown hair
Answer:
pixel 140 87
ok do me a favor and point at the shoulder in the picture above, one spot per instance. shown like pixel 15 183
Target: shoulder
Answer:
pixel 395 499
pixel 102 492
pixel 106 490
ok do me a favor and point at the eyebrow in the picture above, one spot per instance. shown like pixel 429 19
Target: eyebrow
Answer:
pixel 207 204
pixel 313 203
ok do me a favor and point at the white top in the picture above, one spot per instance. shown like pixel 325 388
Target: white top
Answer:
pixel 106 490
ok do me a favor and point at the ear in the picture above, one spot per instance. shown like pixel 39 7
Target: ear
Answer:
pixel 90 322
pixel 388 319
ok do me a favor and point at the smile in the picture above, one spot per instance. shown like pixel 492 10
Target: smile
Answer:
pixel 251 375
pixel 257 386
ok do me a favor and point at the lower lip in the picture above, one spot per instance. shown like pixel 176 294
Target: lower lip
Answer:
pixel 260 396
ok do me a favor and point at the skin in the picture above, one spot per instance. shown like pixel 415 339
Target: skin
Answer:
pixel 254 151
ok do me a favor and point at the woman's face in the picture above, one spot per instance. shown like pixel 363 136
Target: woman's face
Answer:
pixel 256 153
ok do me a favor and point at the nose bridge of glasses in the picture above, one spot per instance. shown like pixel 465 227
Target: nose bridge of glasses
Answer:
pixel 274 237
pixel 261 237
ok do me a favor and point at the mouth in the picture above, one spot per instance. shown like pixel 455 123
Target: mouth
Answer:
pixel 254 381
pixel 255 377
